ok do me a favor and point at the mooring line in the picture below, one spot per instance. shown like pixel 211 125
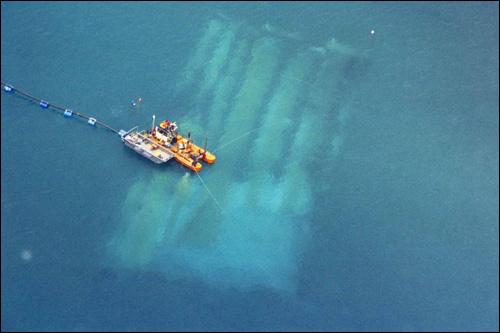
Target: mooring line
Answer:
pixel 46 105
pixel 209 192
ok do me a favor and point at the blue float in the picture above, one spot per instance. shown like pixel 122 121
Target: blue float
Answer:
pixel 8 88
pixel 44 104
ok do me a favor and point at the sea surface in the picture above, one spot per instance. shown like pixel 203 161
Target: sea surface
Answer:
pixel 356 182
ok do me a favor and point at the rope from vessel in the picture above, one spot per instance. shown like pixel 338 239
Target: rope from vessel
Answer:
pixel 55 107
pixel 9 88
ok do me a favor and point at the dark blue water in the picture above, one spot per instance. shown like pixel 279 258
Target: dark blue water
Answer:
pixel 360 191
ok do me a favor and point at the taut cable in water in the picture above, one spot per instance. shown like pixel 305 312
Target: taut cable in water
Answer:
pixel 236 139
pixel 209 192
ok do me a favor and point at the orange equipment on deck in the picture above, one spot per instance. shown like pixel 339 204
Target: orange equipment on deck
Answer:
pixel 185 151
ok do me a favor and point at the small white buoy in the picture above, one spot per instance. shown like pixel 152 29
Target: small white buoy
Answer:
pixel 372 32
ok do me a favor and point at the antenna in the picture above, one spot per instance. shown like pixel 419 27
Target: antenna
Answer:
pixel 204 154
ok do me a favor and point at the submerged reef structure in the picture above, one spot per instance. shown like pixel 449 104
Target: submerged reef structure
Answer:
pixel 276 105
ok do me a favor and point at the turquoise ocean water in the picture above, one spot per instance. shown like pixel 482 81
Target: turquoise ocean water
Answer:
pixel 357 172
